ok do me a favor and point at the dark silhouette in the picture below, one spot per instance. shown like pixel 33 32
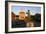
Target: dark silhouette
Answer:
pixel 37 22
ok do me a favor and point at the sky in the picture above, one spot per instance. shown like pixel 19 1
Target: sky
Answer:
pixel 33 9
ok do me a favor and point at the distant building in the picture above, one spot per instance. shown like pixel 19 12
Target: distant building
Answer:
pixel 13 16
pixel 21 15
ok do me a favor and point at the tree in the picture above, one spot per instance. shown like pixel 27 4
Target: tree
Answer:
pixel 37 22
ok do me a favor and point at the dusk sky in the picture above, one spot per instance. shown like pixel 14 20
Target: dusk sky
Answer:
pixel 32 9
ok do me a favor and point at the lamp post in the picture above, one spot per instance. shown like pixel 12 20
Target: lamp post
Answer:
pixel 28 13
